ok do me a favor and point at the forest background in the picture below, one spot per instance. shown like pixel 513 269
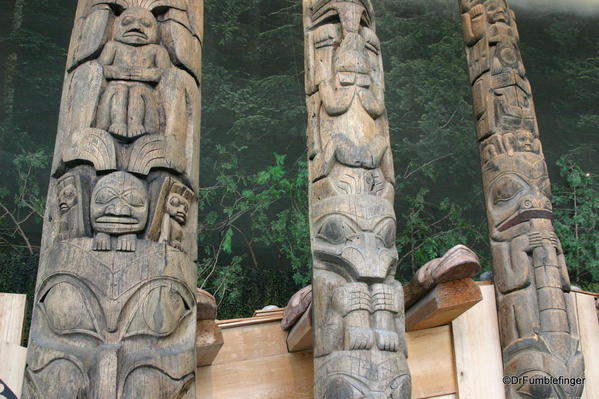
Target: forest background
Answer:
pixel 254 239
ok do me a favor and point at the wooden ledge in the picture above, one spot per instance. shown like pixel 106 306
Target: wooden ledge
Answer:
pixel 443 304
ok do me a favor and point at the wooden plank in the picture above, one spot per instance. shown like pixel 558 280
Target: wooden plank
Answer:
pixel 478 350
pixel 252 342
pixel 284 376
pixel 430 357
pixel 451 396
pixel 589 339
pixel 443 304
pixel 263 347
pixel 12 317
pixel 225 324
pixel 12 366
pixel 300 336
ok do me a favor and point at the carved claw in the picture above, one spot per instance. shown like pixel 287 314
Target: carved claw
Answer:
pixel 126 243
pixel 136 130
pixel 535 240
pixel 555 241
pixel 357 338
pixel 476 11
pixel 387 340
pixel 101 242
pixel 118 129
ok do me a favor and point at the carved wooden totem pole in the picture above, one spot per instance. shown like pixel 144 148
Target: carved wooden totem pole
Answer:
pixel 115 308
pixel 359 348
pixel 537 323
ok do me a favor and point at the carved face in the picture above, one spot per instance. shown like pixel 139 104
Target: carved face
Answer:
pixel 497 12
pixel 119 204
pixel 346 44
pixel 137 27
pixel 356 237
pixel 520 191
pixel 67 194
pixel 177 207
pixel 524 141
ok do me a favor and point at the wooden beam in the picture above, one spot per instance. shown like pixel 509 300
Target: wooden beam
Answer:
pixel 12 366
pixel 12 317
pixel 478 351
pixel 300 336
pixel 443 304
pixel 588 327
pixel 209 341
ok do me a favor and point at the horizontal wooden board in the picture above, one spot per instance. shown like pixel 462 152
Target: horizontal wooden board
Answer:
pixel 254 363
pixel 588 326
pixel 12 317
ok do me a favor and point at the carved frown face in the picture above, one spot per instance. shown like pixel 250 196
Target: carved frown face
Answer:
pixel 67 194
pixel 119 204
pixel 177 207
pixel 137 27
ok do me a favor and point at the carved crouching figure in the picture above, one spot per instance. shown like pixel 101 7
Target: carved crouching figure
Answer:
pixel 119 208
pixel 133 62
pixel 175 216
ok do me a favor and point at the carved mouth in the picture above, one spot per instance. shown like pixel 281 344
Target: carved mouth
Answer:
pixel 116 219
pixel 135 33
pixel 525 216
pixel 64 207
pixel 180 216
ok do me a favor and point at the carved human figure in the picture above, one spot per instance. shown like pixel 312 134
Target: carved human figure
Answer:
pixel 175 215
pixel 133 62
pixel 119 208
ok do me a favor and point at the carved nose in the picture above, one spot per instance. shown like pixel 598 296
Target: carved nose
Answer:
pixel 534 202
pixel 107 372
pixel 370 263
pixel 118 209
pixel 352 56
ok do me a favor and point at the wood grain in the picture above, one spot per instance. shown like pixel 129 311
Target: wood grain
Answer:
pixel 443 304
pixel 478 351
pixel 12 317
pixel 12 366
pixel 588 327
pixel 300 336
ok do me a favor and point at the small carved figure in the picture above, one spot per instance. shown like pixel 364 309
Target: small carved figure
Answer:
pixel 175 215
pixel 119 207
pixel 69 194
pixel 132 63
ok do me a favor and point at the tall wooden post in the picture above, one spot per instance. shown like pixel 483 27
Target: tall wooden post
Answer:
pixel 115 310
pixel 536 314
pixel 359 347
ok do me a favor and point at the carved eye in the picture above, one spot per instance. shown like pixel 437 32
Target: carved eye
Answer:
pixel 67 311
pixel 146 22
pixel 372 41
pixel 336 230
pixel 105 195
pixel 134 198
pixel 127 21
pixel 386 232
pixel 506 189
pixel 326 35
pixel 546 188
pixel 174 201
pixel 345 387
pixel 160 314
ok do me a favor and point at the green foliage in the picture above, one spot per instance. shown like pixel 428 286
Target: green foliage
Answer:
pixel 576 203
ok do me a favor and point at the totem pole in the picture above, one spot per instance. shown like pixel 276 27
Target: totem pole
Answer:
pixel 358 311
pixel 536 316
pixel 115 307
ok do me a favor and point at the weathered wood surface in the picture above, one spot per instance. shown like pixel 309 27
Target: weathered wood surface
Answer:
pixel 300 336
pixel 588 326
pixel 443 304
pixel 12 366
pixel 538 334
pixel 209 336
pixel 458 263
pixel 115 305
pixel 12 317
pixel 357 303
pixel 478 351
pixel 254 363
